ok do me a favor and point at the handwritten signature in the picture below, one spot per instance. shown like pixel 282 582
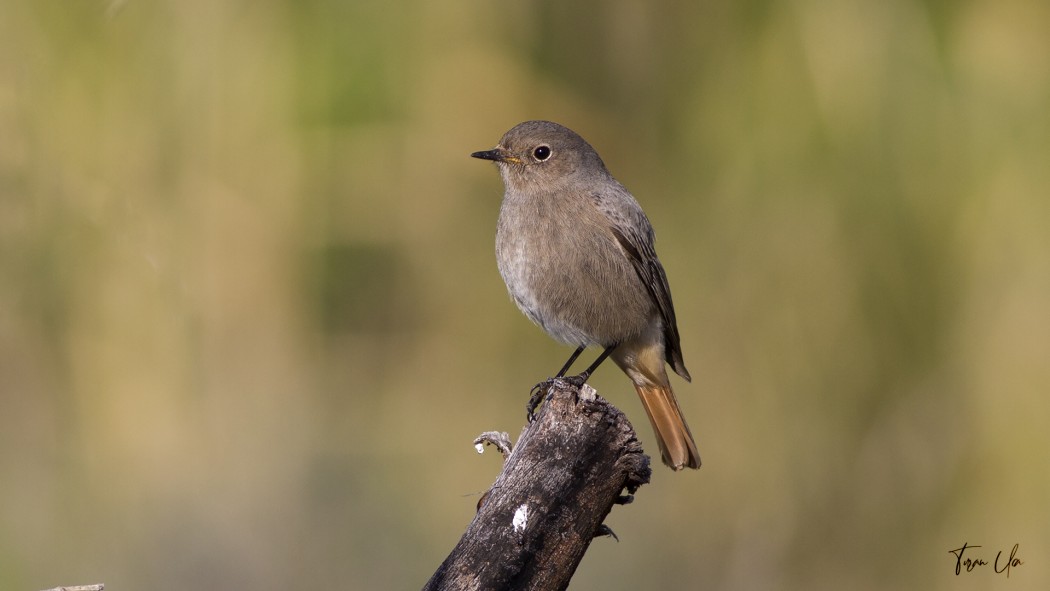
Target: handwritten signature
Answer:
pixel 970 563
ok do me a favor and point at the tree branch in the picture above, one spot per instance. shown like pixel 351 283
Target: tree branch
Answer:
pixel 533 526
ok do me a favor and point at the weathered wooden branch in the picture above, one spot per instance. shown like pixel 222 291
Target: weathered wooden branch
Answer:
pixel 95 587
pixel 557 486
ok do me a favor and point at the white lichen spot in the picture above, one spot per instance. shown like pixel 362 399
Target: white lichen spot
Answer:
pixel 480 447
pixel 587 392
pixel 521 519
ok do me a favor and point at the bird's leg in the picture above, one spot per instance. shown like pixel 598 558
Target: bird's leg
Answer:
pixel 581 379
pixel 572 358
pixel 541 388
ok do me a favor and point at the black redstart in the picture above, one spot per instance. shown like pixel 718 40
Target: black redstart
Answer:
pixel 576 252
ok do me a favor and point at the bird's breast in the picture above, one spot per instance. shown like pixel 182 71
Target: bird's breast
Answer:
pixel 565 271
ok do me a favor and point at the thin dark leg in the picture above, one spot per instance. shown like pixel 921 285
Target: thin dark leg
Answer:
pixel 540 389
pixel 605 355
pixel 582 378
pixel 572 359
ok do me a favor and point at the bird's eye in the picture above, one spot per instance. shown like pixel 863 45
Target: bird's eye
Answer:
pixel 542 153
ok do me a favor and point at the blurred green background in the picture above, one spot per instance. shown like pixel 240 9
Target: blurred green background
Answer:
pixel 250 319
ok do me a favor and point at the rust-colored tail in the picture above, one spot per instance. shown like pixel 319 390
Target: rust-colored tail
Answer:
pixel 672 434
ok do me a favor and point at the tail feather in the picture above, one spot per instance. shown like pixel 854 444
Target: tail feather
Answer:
pixel 672 434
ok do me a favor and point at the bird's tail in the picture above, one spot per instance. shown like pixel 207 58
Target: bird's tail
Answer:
pixel 643 361
pixel 672 434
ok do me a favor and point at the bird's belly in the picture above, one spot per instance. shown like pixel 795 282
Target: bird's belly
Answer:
pixel 576 298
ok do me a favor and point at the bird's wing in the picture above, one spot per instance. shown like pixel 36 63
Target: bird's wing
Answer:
pixel 635 235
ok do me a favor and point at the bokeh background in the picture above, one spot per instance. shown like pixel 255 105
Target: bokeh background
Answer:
pixel 250 319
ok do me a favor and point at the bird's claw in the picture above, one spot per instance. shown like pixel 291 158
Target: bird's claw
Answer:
pixel 543 388
pixel 536 396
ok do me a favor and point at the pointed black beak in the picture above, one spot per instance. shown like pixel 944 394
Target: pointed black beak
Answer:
pixel 496 155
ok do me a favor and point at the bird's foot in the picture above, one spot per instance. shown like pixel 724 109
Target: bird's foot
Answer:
pixel 578 380
pixel 536 396
pixel 540 390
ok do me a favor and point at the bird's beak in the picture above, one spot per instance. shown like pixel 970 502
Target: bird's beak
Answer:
pixel 496 155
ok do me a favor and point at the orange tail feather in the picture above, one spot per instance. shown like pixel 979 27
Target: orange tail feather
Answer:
pixel 672 434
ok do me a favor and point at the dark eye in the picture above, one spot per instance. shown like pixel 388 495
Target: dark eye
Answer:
pixel 542 153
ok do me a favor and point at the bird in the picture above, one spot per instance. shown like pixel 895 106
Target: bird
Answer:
pixel 577 254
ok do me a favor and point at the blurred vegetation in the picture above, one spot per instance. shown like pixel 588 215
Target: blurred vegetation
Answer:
pixel 250 318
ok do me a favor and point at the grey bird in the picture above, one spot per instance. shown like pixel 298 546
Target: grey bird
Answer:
pixel 576 252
